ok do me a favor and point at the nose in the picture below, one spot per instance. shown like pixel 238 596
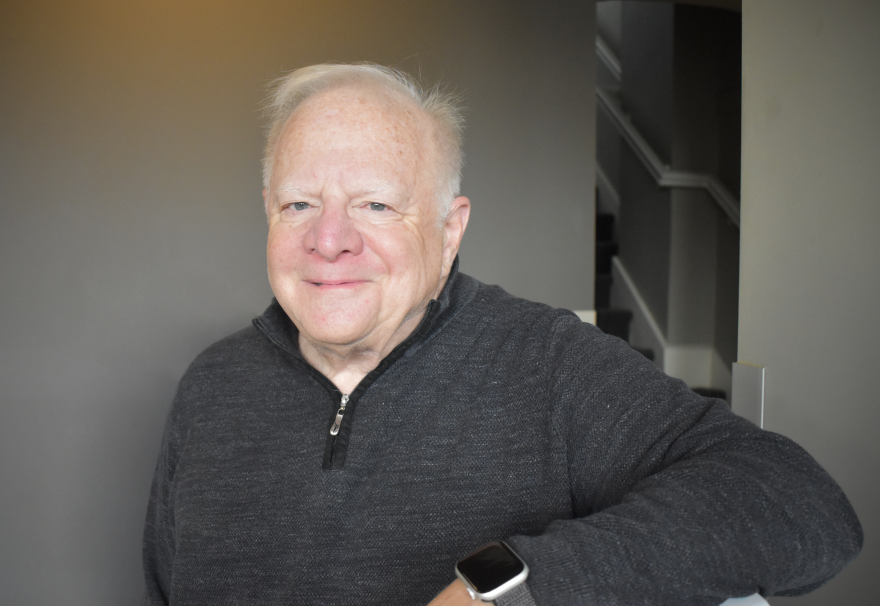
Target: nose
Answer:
pixel 333 233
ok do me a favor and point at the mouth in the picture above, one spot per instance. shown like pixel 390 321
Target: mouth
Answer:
pixel 336 283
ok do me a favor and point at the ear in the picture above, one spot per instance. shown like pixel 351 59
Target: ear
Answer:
pixel 453 229
pixel 266 201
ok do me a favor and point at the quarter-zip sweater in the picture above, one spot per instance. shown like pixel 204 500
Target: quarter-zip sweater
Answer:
pixel 498 418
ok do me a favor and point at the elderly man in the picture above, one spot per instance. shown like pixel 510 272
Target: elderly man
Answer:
pixel 387 416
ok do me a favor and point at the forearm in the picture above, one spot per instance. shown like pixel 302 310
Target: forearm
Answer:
pixel 757 515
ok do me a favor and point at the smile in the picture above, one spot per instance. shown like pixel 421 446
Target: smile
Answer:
pixel 338 283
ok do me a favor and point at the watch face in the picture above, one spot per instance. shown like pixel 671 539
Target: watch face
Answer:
pixel 491 567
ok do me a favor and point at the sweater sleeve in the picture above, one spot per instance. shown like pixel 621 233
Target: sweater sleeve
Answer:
pixel 158 545
pixel 676 499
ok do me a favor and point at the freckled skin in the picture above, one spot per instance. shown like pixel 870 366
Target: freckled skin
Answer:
pixel 355 252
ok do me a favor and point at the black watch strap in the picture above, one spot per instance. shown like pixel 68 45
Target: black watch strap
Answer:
pixel 518 596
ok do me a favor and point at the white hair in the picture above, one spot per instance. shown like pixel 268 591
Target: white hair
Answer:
pixel 287 93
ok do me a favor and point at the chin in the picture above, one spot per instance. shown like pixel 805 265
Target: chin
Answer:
pixel 334 329
pixel 335 338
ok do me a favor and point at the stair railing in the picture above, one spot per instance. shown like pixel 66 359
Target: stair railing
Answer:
pixel 662 173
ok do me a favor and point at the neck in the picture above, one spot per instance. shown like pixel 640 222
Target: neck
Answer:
pixel 347 365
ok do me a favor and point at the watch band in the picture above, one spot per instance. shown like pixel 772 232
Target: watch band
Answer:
pixel 518 596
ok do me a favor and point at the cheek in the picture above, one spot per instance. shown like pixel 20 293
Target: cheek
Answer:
pixel 416 261
pixel 399 253
pixel 281 252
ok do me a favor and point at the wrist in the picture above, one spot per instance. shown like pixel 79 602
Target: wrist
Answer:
pixel 495 573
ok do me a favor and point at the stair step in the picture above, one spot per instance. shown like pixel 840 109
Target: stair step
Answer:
pixel 603 291
pixel 648 353
pixel 614 322
pixel 604 227
pixel 604 252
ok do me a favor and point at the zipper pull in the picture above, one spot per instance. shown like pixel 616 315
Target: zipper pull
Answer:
pixel 338 422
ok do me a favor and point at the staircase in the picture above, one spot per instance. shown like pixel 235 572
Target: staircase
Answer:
pixel 610 320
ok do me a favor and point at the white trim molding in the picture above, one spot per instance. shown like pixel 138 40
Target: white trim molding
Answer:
pixel 661 172
pixel 586 315
pixel 748 391
pixel 607 191
pixel 696 365
pixel 608 58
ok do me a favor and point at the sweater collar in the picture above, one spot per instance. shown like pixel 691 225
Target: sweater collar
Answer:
pixel 458 291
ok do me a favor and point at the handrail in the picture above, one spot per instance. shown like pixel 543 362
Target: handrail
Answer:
pixel 607 56
pixel 661 172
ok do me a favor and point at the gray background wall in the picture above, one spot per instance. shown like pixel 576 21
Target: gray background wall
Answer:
pixel 132 234
pixel 809 293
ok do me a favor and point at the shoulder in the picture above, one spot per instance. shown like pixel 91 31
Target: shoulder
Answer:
pixel 574 354
pixel 241 347
pixel 239 360
pixel 551 338
pixel 492 302
pixel 542 324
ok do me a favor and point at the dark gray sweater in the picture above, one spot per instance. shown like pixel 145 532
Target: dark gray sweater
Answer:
pixel 497 419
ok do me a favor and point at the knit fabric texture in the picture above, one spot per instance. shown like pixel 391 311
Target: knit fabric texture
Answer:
pixel 498 419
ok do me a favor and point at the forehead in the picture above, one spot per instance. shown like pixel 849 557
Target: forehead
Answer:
pixel 358 117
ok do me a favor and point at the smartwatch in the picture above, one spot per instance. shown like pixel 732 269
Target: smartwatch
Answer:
pixel 492 571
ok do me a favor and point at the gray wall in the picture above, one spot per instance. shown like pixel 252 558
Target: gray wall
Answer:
pixel 809 288
pixel 132 234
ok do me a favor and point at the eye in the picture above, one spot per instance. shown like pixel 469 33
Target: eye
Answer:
pixel 377 206
pixel 299 205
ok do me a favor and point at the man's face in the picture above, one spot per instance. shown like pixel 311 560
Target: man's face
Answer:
pixel 355 251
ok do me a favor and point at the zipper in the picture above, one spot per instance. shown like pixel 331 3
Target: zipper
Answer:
pixel 338 422
pixel 337 440
pixel 338 437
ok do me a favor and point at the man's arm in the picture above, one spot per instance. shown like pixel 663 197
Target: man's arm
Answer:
pixel 677 500
pixel 158 548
